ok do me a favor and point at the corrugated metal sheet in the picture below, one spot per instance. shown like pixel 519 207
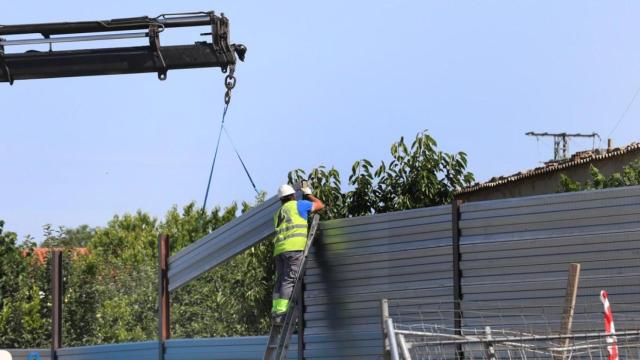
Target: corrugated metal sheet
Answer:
pixel 403 256
pixel 516 254
pixel 222 244
pixel 147 350
pixel 231 348
pixel 23 354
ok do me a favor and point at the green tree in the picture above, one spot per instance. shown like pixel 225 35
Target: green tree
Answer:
pixel 417 176
pixel 67 237
pixel 629 176
pixel 83 288
pixel 24 302
pixel 126 254
pixel 111 294
pixel 11 263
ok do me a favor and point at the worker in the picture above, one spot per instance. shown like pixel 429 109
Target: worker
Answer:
pixel 290 241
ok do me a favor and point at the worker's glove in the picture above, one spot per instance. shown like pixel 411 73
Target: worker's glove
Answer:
pixel 306 190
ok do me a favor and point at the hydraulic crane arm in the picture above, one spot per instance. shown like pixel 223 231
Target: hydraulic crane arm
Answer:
pixel 120 60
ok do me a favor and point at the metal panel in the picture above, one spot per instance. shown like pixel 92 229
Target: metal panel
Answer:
pixel 230 348
pixel 402 256
pixel 23 354
pixel 222 244
pixel 516 254
pixel 147 350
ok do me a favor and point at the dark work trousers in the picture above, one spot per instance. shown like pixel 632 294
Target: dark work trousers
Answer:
pixel 287 269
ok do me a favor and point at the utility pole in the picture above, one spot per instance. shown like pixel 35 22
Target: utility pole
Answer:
pixel 561 142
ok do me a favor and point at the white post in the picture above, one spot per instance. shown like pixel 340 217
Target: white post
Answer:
pixel 490 350
pixel 391 335
pixel 403 347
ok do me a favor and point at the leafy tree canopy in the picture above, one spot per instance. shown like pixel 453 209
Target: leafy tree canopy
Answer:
pixel 417 176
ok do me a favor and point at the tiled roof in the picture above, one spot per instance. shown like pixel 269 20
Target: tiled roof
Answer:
pixel 578 158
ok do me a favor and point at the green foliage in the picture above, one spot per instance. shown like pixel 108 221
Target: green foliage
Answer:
pixel 417 176
pixel 629 176
pixel 67 237
pixel 24 302
pixel 10 263
pixel 82 299
pixel 232 299
pixel 326 186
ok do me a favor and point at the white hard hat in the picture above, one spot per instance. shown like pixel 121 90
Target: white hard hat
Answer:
pixel 5 355
pixel 285 190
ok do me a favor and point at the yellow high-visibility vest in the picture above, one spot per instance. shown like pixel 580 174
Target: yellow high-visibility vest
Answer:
pixel 291 229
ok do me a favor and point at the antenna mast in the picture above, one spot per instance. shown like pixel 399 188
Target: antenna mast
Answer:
pixel 561 142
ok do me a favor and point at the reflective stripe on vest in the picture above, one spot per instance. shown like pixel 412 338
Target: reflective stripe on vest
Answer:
pixel 291 229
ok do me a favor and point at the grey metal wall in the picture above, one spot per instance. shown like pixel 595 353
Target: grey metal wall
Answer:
pixel 403 256
pixel 231 348
pixel 516 253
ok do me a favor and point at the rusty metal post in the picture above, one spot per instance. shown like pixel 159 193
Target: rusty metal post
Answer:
pixel 56 301
pixel 457 274
pixel 569 307
pixel 164 311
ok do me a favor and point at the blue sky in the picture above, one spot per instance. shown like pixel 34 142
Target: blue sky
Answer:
pixel 324 83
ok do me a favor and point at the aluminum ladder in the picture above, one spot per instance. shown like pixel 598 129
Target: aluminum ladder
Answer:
pixel 280 334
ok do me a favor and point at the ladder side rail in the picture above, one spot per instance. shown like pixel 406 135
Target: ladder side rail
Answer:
pixel 292 314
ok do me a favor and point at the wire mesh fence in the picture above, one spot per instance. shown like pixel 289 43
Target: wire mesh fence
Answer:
pixel 510 331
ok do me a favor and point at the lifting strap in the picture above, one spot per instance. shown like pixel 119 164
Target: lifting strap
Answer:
pixel 230 83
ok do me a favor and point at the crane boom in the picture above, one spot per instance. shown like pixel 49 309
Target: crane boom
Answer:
pixel 116 60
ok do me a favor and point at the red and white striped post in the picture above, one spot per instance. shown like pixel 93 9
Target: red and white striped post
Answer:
pixel 609 327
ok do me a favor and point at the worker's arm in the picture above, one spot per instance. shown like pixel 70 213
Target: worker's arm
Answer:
pixel 317 204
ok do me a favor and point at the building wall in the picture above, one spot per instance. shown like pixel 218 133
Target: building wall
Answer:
pixel 549 183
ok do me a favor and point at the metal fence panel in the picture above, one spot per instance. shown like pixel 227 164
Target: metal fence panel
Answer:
pixel 516 254
pixel 222 244
pixel 514 259
pixel 23 354
pixel 403 256
pixel 147 350
pixel 231 348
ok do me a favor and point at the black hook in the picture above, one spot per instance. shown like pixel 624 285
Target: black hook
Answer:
pixel 240 50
